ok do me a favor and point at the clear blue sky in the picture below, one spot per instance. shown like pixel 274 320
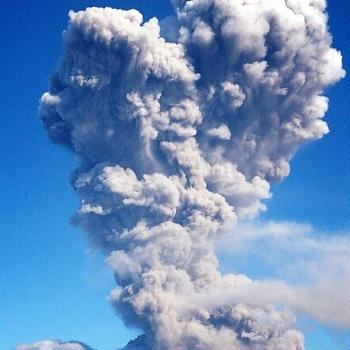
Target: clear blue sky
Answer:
pixel 50 285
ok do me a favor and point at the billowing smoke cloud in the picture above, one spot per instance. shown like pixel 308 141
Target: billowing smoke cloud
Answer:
pixel 179 128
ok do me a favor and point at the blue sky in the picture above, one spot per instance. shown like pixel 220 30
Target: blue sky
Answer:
pixel 51 284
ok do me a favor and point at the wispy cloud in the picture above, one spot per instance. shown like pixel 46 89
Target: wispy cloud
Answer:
pixel 304 267
pixel 49 344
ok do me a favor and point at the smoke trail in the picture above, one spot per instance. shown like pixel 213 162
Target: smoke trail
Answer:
pixel 179 129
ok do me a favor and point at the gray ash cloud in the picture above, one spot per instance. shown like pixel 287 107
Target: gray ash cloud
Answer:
pixel 179 136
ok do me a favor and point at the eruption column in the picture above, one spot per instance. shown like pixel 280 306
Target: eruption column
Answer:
pixel 179 127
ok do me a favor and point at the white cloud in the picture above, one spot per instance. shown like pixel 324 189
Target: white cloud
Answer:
pixel 221 132
pixel 49 344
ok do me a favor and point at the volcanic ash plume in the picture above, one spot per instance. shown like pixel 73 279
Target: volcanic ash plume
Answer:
pixel 179 129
